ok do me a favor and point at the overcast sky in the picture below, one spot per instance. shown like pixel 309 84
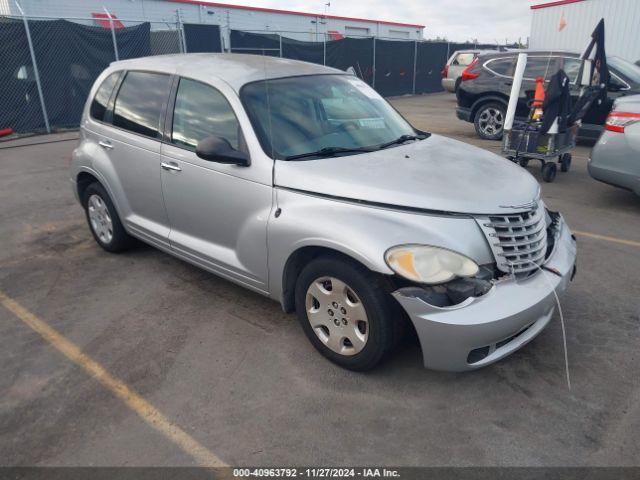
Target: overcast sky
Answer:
pixel 457 20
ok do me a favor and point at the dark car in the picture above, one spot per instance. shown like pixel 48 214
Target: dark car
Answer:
pixel 483 94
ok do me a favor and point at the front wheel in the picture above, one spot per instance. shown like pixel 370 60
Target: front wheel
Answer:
pixel 489 121
pixel 346 313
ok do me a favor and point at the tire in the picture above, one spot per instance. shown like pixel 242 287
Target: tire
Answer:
pixel 549 171
pixel 359 294
pixel 565 162
pixel 524 162
pixel 103 220
pixel 489 120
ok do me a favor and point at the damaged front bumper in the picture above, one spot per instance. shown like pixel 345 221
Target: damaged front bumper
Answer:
pixel 482 330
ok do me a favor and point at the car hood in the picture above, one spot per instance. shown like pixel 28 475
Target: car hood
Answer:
pixel 436 174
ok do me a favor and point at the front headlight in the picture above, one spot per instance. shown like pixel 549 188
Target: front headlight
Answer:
pixel 432 265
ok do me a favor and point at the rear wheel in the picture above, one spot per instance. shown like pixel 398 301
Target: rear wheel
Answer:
pixel 524 162
pixel 549 171
pixel 346 313
pixel 103 219
pixel 565 162
pixel 489 120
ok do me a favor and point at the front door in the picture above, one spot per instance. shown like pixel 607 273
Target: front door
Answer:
pixel 218 213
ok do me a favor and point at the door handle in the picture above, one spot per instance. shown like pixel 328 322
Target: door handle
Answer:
pixel 105 144
pixel 170 166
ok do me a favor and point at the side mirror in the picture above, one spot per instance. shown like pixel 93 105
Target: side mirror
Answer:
pixel 218 149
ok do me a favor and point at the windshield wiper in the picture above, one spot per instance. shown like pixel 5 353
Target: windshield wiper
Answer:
pixel 328 151
pixel 402 139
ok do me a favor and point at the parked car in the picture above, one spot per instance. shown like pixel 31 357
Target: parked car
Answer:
pixel 485 87
pixel 615 159
pixel 452 70
pixel 300 182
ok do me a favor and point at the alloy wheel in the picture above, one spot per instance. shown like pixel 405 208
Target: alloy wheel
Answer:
pixel 491 121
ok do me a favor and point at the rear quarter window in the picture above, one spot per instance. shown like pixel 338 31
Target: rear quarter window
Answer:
pixel 101 99
pixel 463 59
pixel 139 103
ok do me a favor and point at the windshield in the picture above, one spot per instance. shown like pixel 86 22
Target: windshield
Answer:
pixel 628 69
pixel 294 116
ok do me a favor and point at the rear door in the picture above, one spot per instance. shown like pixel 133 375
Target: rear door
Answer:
pixel 131 143
pixel 218 213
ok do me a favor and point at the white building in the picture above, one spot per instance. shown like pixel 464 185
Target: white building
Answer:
pixel 298 25
pixel 568 24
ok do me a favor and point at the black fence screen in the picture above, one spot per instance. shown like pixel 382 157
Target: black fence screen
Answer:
pixel 431 57
pixel 19 105
pixel 394 67
pixel 70 56
pixel 352 52
pixel 202 38
pixel 254 43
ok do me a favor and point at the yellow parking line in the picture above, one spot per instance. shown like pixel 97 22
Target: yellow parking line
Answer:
pixel 135 402
pixel 621 241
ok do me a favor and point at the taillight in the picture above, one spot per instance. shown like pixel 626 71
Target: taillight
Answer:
pixel 445 71
pixel 617 121
pixel 467 74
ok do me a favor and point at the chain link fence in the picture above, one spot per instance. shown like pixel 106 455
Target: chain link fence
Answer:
pixel 50 64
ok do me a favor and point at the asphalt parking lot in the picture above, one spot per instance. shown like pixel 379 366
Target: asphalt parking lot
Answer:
pixel 238 378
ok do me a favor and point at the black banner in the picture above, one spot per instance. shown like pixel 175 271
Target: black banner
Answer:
pixel 202 38
pixel 70 57
pixel 352 52
pixel 394 67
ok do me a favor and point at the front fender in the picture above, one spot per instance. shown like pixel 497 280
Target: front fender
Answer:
pixel 361 231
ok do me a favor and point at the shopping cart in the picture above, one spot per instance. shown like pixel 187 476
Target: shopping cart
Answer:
pixel 524 142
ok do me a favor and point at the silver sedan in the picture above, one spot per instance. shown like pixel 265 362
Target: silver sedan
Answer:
pixel 615 159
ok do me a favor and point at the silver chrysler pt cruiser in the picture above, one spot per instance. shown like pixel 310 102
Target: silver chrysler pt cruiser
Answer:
pixel 300 182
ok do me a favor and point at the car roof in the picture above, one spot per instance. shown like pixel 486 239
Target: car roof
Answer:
pixel 237 69
pixel 531 52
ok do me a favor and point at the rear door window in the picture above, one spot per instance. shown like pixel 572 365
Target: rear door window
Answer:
pixel 571 67
pixel 100 101
pixel 540 67
pixel 501 66
pixel 140 101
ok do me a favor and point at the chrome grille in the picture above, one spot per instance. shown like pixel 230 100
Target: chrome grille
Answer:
pixel 518 241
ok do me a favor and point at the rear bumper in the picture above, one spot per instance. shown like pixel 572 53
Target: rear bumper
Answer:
pixel 449 84
pixel 614 177
pixel 614 161
pixel 464 113
pixel 498 323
